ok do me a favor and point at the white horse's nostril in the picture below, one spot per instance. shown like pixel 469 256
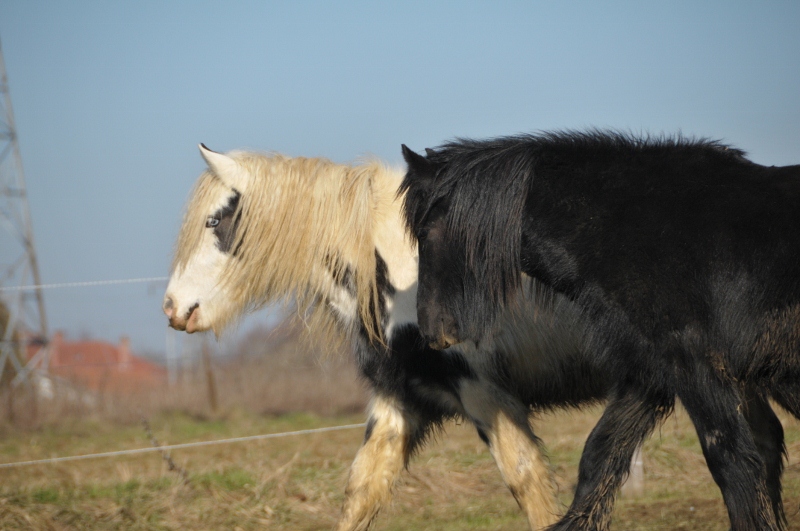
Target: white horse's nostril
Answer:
pixel 169 307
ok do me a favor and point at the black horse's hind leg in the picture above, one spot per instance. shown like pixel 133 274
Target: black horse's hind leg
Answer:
pixel 629 418
pixel 731 453
pixel 768 436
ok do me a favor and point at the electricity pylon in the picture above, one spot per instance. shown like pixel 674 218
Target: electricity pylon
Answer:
pixel 25 318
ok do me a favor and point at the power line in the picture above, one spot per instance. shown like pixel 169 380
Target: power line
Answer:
pixel 54 460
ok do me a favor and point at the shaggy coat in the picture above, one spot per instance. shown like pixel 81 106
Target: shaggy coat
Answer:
pixel 684 259
pixel 263 228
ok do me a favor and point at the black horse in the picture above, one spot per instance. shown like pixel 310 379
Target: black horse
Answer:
pixel 684 258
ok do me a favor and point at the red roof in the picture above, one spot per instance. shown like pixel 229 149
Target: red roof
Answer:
pixel 102 366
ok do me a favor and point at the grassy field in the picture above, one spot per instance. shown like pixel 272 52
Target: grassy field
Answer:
pixel 297 482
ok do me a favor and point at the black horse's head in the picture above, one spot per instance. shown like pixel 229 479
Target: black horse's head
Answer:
pixel 468 257
pixel 441 275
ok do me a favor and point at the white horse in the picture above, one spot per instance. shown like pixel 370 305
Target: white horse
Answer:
pixel 264 228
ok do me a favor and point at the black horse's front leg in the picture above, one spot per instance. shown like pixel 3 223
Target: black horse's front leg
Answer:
pixel 629 418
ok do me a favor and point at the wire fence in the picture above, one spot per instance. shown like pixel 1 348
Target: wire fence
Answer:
pixel 83 284
pixel 54 460
pixel 157 447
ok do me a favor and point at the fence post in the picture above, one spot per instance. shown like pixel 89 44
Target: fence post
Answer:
pixel 10 391
pixel 634 485
pixel 212 386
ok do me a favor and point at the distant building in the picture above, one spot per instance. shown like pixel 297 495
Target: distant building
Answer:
pixel 102 366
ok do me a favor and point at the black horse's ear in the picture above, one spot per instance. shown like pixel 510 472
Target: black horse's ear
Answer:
pixel 415 161
pixel 429 152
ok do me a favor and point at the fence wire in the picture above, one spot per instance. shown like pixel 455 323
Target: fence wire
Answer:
pixel 134 451
pixel 83 284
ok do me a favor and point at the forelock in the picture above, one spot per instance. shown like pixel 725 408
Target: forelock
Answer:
pixel 204 198
pixel 486 185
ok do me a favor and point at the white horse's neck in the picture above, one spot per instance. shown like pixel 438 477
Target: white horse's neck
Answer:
pixel 392 241
pixel 399 252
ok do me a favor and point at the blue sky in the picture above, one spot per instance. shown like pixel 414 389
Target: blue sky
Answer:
pixel 111 99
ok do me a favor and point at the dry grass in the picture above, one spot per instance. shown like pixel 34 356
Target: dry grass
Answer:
pixel 297 483
pixel 283 371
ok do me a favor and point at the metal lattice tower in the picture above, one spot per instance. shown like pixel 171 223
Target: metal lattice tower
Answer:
pixel 24 312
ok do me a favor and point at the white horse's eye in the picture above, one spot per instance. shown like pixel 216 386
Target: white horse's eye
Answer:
pixel 212 222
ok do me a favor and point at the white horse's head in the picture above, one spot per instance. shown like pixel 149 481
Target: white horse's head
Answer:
pixel 196 297
pixel 262 228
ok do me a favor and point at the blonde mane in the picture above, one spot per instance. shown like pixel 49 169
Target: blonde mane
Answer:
pixel 299 217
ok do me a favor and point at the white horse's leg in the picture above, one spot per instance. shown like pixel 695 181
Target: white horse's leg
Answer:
pixel 378 463
pixel 502 423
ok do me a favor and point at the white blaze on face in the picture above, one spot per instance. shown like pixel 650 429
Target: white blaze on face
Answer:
pixel 194 291
pixel 195 300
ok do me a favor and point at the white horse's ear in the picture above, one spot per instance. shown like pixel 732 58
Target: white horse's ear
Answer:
pixel 223 167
